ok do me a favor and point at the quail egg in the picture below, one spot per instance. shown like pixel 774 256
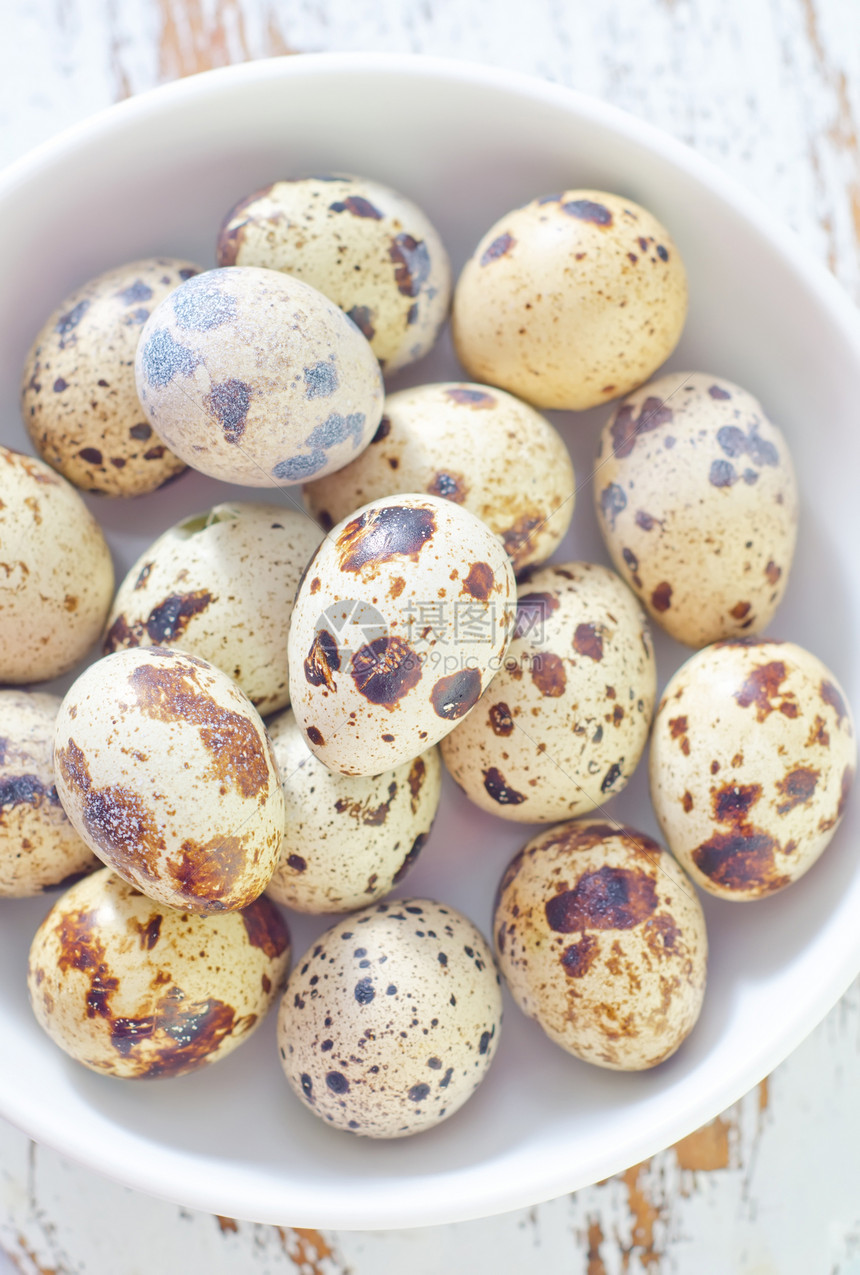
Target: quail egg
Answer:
pixel 391 1020
pixel 601 939
pixel 402 619
pixel 39 848
pixel 481 448
pixel 165 769
pixel 564 723
pixel 361 243
pixel 697 502
pixel 571 300
pixel 57 575
pixel 254 377
pixel 130 988
pixel 78 397
pixel 348 840
pixel 220 585
pixel 753 755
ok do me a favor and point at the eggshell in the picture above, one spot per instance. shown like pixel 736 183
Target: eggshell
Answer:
pixel 220 585
pixel 402 619
pixel 570 300
pixel 752 759
pixel 697 502
pixel 361 243
pixel 391 1020
pixel 78 396
pixel 165 769
pixel 130 988
pixel 601 939
pixel 482 449
pixel 39 848
pixel 57 575
pixel 564 723
pixel 347 839
pixel 256 378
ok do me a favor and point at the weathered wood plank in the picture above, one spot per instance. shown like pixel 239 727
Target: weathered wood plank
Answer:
pixel 770 90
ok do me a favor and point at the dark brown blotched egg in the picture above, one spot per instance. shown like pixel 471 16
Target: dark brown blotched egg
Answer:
pixel 601 939
pixel 130 988
pixel 165 769
pixel 752 760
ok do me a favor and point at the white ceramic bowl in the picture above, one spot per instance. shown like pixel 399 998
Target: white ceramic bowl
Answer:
pixel 155 175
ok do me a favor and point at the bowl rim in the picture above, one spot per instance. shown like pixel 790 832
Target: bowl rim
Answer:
pixel 470 1193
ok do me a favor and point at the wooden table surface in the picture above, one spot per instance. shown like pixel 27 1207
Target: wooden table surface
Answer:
pixel 769 90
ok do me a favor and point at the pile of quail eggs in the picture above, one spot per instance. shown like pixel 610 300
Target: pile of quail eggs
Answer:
pixel 179 823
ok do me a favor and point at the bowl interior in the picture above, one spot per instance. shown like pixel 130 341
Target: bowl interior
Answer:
pixel 154 177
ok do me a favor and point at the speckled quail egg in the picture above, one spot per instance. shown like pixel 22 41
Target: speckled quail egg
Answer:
pixel 601 939
pixel 165 769
pixel 571 300
pixel 78 397
pixel 39 848
pixel 220 585
pixel 348 839
pixel 564 723
pixel 481 448
pixel 254 377
pixel 402 619
pixel 697 502
pixel 57 579
pixel 752 759
pixel 391 1020
pixel 133 989
pixel 361 243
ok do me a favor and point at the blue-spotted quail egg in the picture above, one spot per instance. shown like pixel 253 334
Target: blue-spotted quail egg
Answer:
pixel 165 769
pixel 570 300
pixel 361 243
pixel 479 447
pixel 133 989
pixel 57 575
pixel 348 839
pixel 753 755
pixel 563 724
pixel 78 397
pixel 220 585
pixel 697 502
pixel 39 848
pixel 391 1019
pixel 401 621
pixel 254 377
pixel 601 939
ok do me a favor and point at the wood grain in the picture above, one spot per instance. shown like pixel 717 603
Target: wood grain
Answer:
pixel 769 90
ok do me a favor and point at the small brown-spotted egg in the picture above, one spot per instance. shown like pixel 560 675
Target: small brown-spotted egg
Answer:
pixel 165 769
pixel 133 989
pixel 220 585
pixel 482 449
pixel 564 723
pixel 254 377
pixel 402 619
pixel 57 575
pixel 348 839
pixel 752 759
pixel 697 502
pixel 570 300
pixel 391 1020
pixel 364 245
pixel 78 396
pixel 39 848
pixel 601 939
